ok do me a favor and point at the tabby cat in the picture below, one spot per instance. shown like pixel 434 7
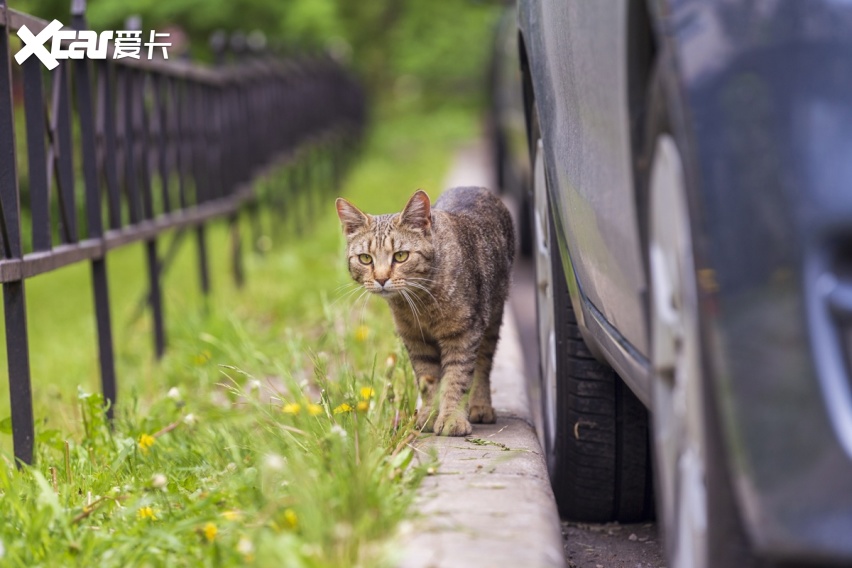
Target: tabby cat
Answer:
pixel 445 272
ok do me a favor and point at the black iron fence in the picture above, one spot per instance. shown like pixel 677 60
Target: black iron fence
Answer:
pixel 147 146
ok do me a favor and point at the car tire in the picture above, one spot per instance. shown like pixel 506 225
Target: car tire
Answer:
pixel 595 429
pixel 695 499
pixel 525 225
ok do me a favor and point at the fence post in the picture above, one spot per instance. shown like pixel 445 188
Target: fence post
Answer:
pixel 14 301
pixel 93 213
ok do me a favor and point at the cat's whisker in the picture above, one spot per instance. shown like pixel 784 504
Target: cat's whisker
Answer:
pixel 421 287
pixel 345 284
pixel 418 300
pixel 364 306
pixel 342 291
pixel 414 311
pixel 424 280
pixel 346 295
pixel 356 300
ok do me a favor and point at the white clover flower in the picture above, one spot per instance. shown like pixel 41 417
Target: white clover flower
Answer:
pixel 336 429
pixel 159 481
pixel 190 419
pixel 274 462
pixel 254 385
pixel 245 546
pixel 231 467
pixel 174 394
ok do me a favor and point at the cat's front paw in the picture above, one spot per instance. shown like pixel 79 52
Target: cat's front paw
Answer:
pixel 452 424
pixel 425 420
pixel 482 414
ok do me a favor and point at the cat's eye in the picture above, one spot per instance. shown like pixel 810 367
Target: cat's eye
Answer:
pixel 365 258
pixel 400 255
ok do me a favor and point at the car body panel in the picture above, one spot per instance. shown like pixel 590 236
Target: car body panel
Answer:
pixel 507 110
pixel 586 133
pixel 768 90
pixel 765 120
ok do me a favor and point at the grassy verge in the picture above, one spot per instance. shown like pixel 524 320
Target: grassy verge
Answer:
pixel 274 431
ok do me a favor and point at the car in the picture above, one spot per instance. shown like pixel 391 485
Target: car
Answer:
pixel 691 191
pixel 507 124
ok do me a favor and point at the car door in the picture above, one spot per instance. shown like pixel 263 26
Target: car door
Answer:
pixel 582 98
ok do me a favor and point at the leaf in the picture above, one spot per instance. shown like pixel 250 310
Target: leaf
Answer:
pixel 481 442
pixel 402 459
pixel 6 425
pixel 52 438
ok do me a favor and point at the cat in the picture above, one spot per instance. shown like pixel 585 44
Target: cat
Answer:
pixel 445 272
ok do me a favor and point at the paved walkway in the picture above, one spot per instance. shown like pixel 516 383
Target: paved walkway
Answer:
pixel 489 504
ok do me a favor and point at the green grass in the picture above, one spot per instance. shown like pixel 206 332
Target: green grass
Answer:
pixel 273 432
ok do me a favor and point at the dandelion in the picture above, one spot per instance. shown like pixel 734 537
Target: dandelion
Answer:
pixel 366 393
pixel 210 531
pixel 361 333
pixel 146 513
pixel 363 406
pixel 345 407
pixel 174 394
pixel 232 515
pixel 315 409
pixel 159 481
pixel 291 408
pixel 145 442
pixel 291 518
pixel 246 548
pixel 202 357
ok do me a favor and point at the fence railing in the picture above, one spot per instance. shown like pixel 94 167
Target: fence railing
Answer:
pixel 149 146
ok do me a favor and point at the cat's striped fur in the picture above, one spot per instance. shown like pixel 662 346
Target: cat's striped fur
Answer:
pixel 446 287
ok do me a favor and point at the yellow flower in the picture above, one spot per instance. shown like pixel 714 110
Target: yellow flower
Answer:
pixel 145 442
pixel 232 515
pixel 210 531
pixel 291 408
pixel 366 393
pixel 363 406
pixel 291 518
pixel 146 513
pixel 343 408
pixel 202 357
pixel 315 409
pixel 361 333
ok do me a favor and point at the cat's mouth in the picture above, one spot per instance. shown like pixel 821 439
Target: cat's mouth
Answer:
pixel 386 290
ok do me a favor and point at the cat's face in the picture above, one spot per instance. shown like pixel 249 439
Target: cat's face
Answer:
pixel 390 254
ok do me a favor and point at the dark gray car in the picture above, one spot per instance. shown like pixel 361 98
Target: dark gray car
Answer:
pixel 692 223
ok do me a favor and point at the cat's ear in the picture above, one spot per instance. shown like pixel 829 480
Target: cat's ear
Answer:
pixel 418 212
pixel 352 218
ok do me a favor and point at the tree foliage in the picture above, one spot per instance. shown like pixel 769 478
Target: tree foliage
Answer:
pixel 422 49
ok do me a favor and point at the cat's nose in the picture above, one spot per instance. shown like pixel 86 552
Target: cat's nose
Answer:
pixel 381 281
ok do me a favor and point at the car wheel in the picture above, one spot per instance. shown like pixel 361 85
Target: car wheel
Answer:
pixel 525 225
pixel 694 497
pixel 595 430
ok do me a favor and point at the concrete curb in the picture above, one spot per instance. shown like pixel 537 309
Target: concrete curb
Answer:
pixel 490 502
